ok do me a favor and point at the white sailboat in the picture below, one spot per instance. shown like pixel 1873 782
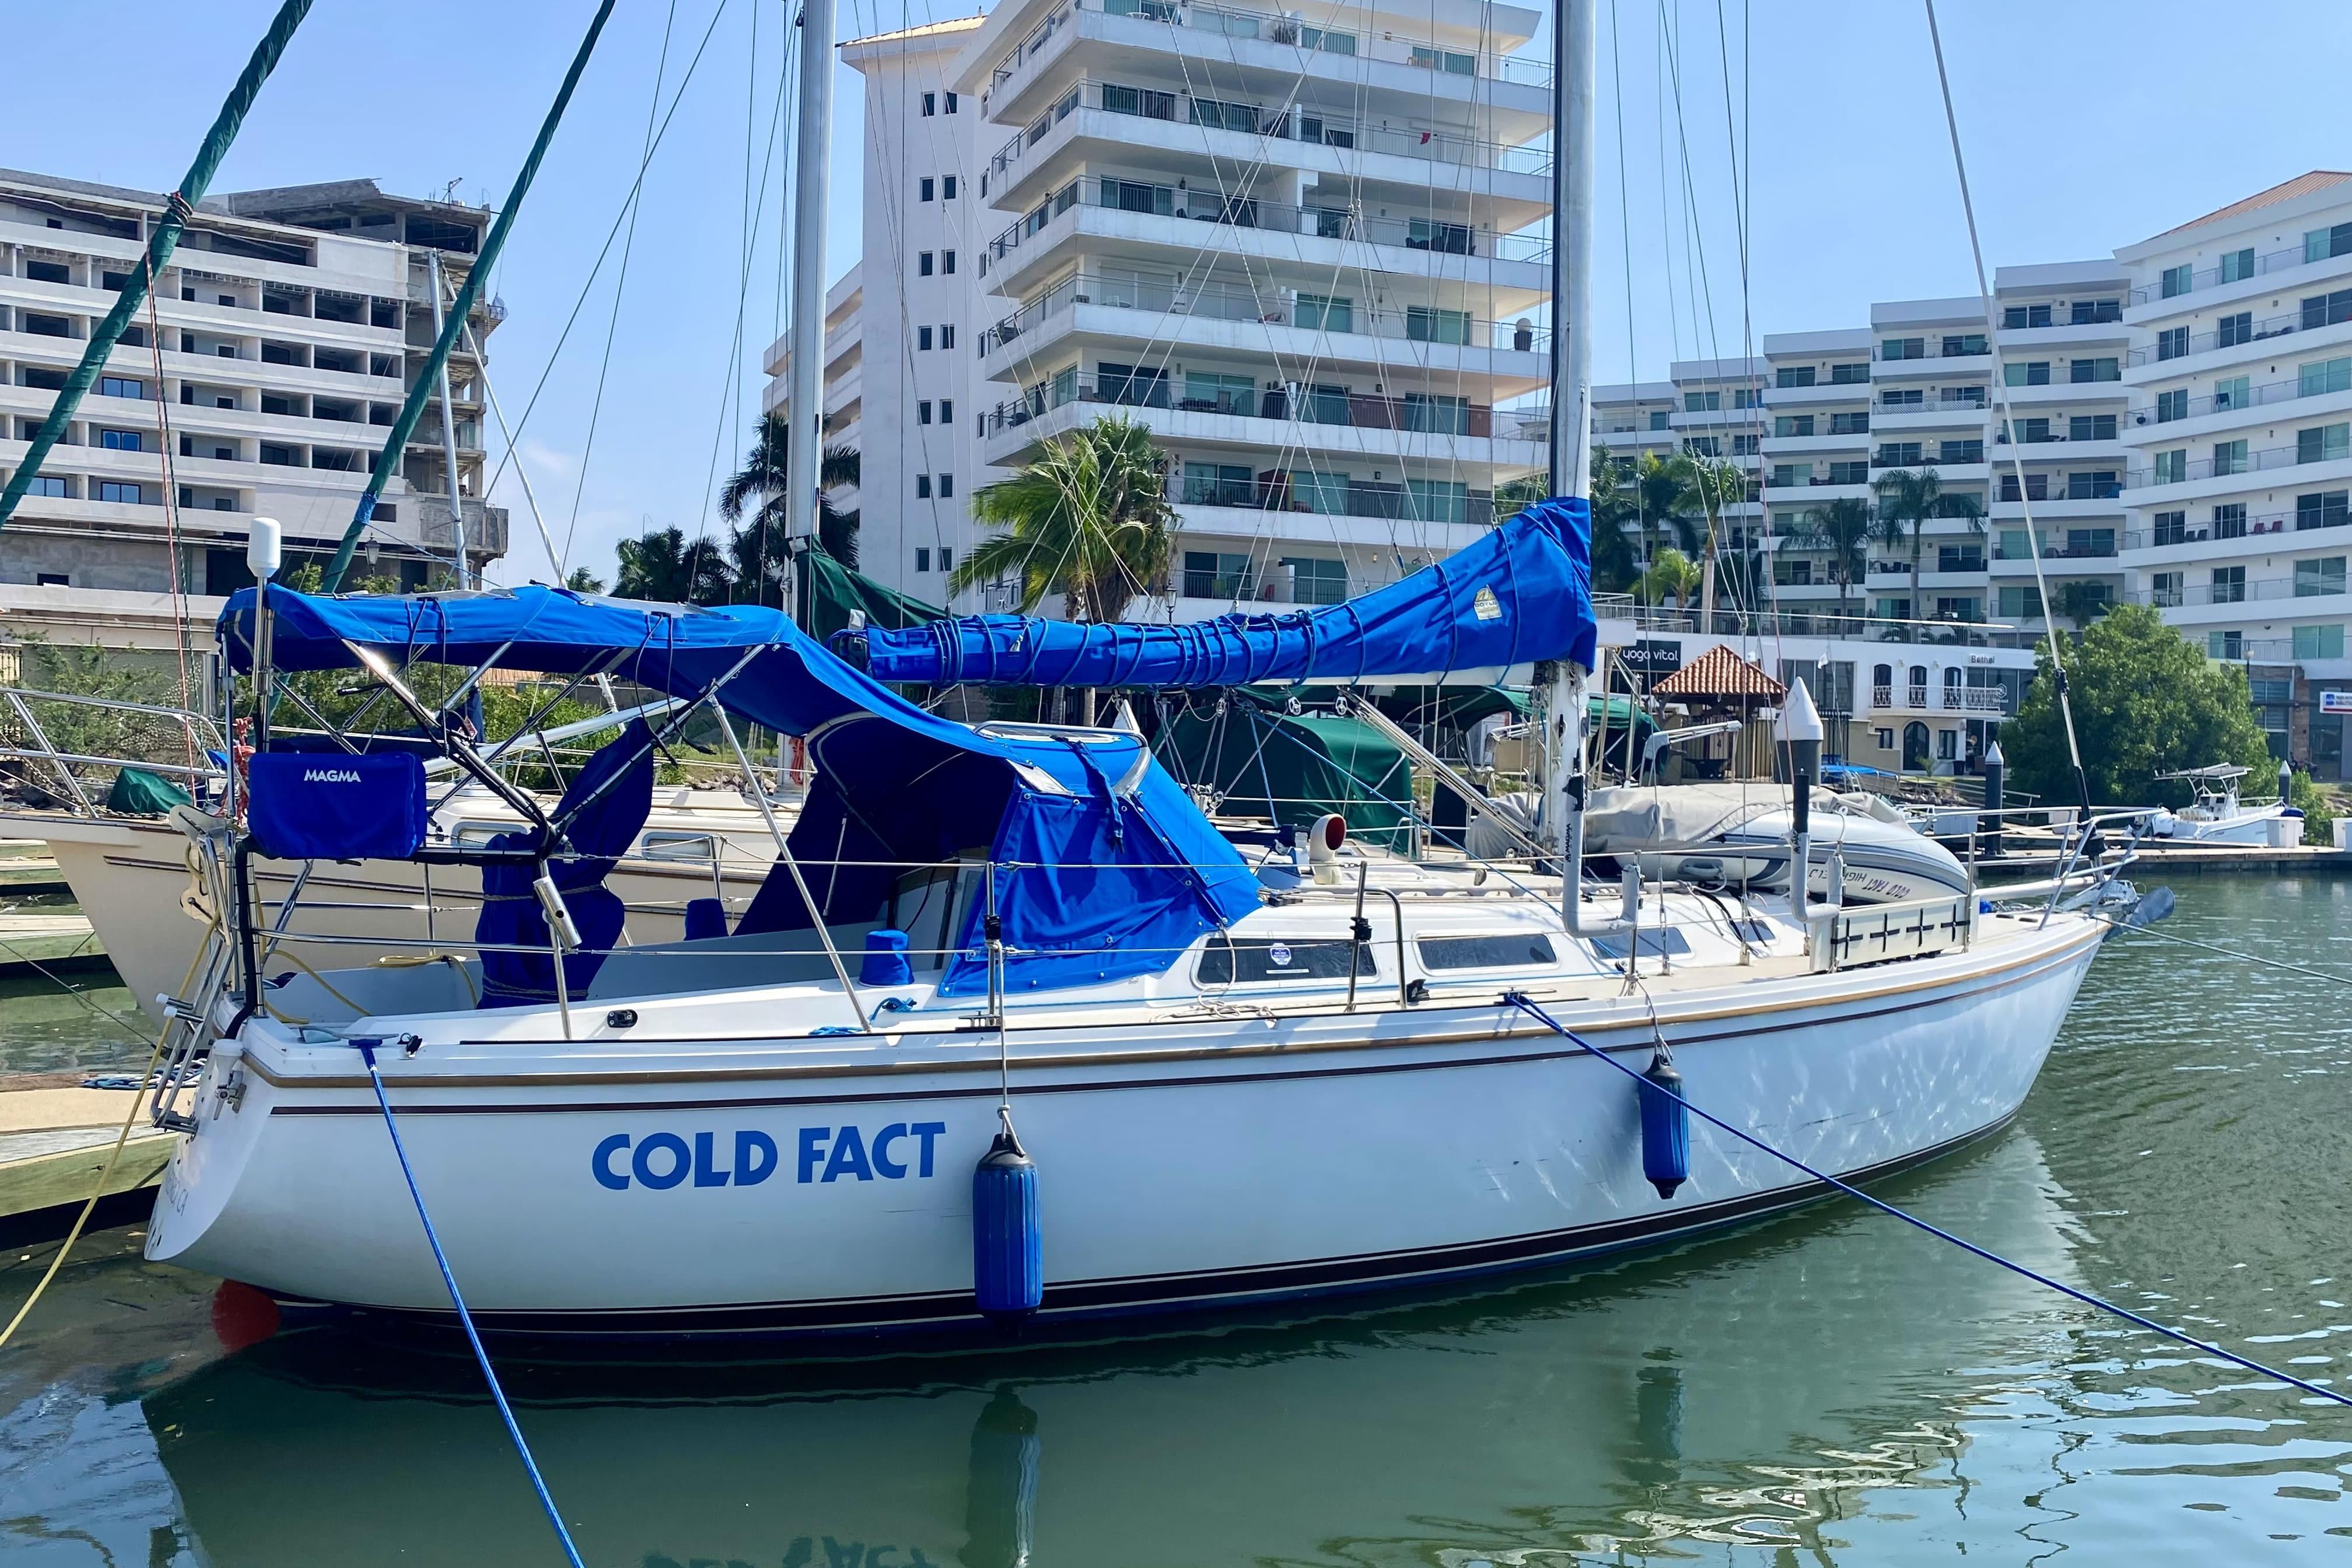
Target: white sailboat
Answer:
pixel 1223 1090
pixel 2215 814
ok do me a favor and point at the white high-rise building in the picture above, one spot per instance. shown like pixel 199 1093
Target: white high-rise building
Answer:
pixel 1297 253
pixel 2242 445
pixel 284 331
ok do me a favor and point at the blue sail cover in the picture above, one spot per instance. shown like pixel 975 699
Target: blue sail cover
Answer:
pixel 1107 868
pixel 1522 593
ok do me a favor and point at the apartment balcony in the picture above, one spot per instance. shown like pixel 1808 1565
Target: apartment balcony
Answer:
pixel 2177 349
pixel 1118 121
pixel 1279 47
pixel 1433 427
pixel 1821 393
pixel 1816 491
pixel 1976 702
pixel 1957 414
pixel 2054 395
pixel 2240 265
pixel 2271 534
pixel 2188 471
pixel 1184 223
pixel 1268 319
pixel 1367 525
pixel 1935 358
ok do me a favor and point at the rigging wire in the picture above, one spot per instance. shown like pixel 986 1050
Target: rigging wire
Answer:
pixel 612 327
pixel 2000 394
pixel 1525 1004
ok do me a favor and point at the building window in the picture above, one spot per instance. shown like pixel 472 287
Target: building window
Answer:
pixel 947 335
pixel 1794 376
pixel 2225 645
pixel 1661 419
pixel 924 188
pixel 2083 372
pixel 923 338
pixel 2228 521
pixel 2327 309
pixel 2172 342
pixel 923 264
pixel 930 106
pixel 922 486
pixel 1849 375
pixel 2178 280
pixel 923 412
pixel 121 441
pixel 2229 585
pixel 952 104
pixel 2323 509
pixel 922 559
pixel 2165 589
pixel 2318 245
pixel 60 580
pixel 2023 316
pixel 947 188
pixel 1209 575
pixel 2171 468
pixel 1903 348
pixel 947 262
pixel 2229 457
pixel 2171 405
pixel 131 495
pixel 122 386
pixel 2231 331
pixel 1315 581
pixel 2091 427
pixel 2315 578
pixel 1884 739
pixel 2323 444
pixel 46 485
pixel 2031 373
pixel 946 487
pixel 2319 642
pixel 947 410
pixel 1791 424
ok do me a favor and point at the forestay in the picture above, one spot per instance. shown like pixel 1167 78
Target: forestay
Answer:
pixel 1522 593
pixel 1105 868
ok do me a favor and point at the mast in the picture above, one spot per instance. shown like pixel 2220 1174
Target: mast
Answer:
pixel 161 242
pixel 1572 79
pixel 448 424
pixel 804 389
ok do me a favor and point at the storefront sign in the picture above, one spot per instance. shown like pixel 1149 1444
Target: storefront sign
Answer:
pixel 1651 657
pixel 2336 702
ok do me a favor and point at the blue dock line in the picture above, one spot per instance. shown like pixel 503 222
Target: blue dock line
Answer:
pixel 1519 1000
pixel 506 1411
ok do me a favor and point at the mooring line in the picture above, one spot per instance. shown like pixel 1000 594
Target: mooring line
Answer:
pixel 506 1411
pixel 2254 958
pixel 1520 1001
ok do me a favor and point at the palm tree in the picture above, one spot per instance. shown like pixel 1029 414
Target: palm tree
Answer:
pixel 1906 501
pixel 1087 518
pixel 1672 575
pixel 1844 529
pixel 759 550
pixel 583 581
pixel 660 564
pixel 1662 483
pixel 1614 504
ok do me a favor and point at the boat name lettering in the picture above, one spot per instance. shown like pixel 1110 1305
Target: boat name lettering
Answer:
pixel 330 775
pixel 664 1160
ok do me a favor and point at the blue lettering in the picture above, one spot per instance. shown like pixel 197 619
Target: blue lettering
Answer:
pixel 927 1130
pixel 882 1142
pixel 812 1151
pixel 680 1161
pixel 755 1158
pixel 801 1552
pixel 601 1163
pixel 706 1162
pixel 836 1555
pixel 848 1157
pixel 874 1555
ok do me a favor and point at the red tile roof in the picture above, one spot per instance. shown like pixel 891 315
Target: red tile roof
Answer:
pixel 2301 186
pixel 1719 672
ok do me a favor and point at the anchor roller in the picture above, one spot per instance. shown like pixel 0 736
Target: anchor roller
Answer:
pixel 1666 1126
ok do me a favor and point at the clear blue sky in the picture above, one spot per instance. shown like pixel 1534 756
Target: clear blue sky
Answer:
pixel 2087 125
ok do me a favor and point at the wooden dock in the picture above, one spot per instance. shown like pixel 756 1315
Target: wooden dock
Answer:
pixel 2162 864
pixel 53 1140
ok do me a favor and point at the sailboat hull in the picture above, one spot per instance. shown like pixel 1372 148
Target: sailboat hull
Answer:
pixel 818 1184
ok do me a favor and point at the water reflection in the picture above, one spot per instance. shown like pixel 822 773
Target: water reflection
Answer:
pixel 1831 1388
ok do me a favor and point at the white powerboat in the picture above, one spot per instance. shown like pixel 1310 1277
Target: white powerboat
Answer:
pixel 1222 1092
pixel 1738 834
pixel 2217 816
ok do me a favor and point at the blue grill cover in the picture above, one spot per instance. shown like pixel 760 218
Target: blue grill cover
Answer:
pixel 315 807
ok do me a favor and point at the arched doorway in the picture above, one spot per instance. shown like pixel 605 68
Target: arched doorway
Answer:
pixel 1915 747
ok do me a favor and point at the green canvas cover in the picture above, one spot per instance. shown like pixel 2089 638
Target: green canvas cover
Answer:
pixel 1295 767
pixel 831 591
pixel 138 793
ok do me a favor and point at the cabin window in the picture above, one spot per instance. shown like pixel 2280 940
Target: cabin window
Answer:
pixel 1486 951
pixel 678 847
pixel 1300 958
pixel 1655 943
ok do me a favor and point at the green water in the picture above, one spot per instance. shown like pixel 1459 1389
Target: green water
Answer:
pixel 1829 1388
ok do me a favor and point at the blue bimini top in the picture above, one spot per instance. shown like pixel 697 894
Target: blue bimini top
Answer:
pixel 1106 867
pixel 1522 593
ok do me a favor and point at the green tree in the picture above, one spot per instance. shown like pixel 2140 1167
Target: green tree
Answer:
pixel 1662 488
pixel 1614 504
pixel 1713 486
pixel 583 581
pixel 761 489
pixel 661 564
pixel 1908 502
pixel 1672 575
pixel 1087 518
pixel 2145 701
pixel 2083 603
pixel 1843 528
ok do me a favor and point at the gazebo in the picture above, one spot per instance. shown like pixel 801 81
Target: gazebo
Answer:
pixel 1715 686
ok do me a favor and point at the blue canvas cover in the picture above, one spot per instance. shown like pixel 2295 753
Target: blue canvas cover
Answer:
pixel 1121 869
pixel 317 806
pixel 1522 593
pixel 617 785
